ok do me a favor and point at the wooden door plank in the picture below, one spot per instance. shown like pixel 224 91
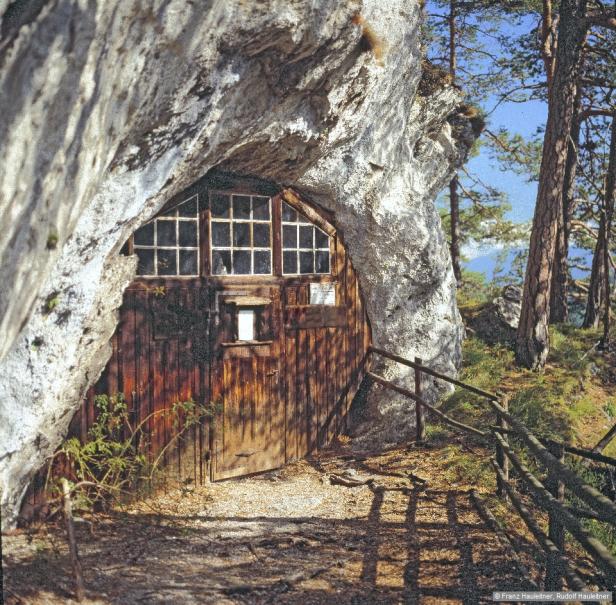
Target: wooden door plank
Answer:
pixel 302 407
pixel 330 378
pixel 321 384
pixel 290 382
pixel 313 410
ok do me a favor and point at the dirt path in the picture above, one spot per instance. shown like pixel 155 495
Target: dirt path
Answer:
pixel 284 537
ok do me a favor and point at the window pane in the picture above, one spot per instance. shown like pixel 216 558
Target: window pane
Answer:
pixel 305 237
pixel 221 234
pixel 289 262
pixel 172 212
pixel 321 240
pixel 322 262
pixel 221 262
pixel 189 208
pixel 167 263
pixel 306 262
pixel 241 235
pixel 302 219
pixel 189 262
pixel 144 236
pixel 289 236
pixel 260 209
pixel 165 233
pixel 241 207
pixel 241 262
pixel 288 214
pixel 261 235
pixel 145 266
pixel 188 233
pixel 219 205
pixel 263 262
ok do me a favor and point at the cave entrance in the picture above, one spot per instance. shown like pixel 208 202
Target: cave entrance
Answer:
pixel 245 302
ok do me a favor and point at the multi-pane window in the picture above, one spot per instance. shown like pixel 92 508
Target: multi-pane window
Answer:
pixel 241 234
pixel 305 248
pixel 169 245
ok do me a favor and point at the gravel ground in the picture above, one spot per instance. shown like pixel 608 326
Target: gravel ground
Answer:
pixel 290 536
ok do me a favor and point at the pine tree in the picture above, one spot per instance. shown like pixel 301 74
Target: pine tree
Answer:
pixel 532 342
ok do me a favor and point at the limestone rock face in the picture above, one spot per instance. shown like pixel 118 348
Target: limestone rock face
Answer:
pixel 508 305
pixel 109 108
pixel 497 322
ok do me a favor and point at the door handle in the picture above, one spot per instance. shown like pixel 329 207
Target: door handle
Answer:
pixel 272 373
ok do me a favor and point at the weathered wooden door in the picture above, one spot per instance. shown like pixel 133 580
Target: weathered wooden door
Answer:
pixel 247 303
pixel 249 429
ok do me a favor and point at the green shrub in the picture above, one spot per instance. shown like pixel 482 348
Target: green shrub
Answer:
pixel 115 458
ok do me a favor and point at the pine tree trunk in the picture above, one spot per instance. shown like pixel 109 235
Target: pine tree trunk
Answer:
pixel 595 287
pixel 454 202
pixel 532 343
pixel 559 309
pixel 610 194
pixel 599 287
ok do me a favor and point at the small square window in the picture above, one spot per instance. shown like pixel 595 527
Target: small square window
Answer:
pixel 165 233
pixel 241 235
pixel 188 234
pixel 167 262
pixel 221 262
pixel 221 234
pixel 189 262
pixel 262 262
pixel 261 235
pixel 289 215
pixel 145 265
pixel 306 262
pixel 241 207
pixel 241 262
pixel 144 236
pixel 289 262
pixel 260 209
pixel 321 261
pixel 321 240
pixel 306 235
pixel 289 236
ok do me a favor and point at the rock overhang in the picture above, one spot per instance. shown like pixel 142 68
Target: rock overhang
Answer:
pixel 160 95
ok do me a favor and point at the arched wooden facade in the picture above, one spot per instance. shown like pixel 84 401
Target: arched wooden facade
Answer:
pixel 272 338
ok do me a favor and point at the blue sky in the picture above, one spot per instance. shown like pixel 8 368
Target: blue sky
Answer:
pixel 521 118
pixel 517 118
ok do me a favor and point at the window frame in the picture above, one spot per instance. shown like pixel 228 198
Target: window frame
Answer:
pixel 313 215
pixel 298 248
pixel 176 219
pixel 249 221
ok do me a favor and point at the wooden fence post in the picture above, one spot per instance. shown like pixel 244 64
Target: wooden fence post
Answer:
pixel 72 543
pixel 501 458
pixel 556 531
pixel 420 420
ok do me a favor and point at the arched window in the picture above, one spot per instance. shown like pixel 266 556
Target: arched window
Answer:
pixel 242 234
pixel 305 248
pixel 169 244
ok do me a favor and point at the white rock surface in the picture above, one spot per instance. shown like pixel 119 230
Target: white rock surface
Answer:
pixel 109 108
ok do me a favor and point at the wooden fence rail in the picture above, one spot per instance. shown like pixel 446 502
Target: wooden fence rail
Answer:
pixel 549 495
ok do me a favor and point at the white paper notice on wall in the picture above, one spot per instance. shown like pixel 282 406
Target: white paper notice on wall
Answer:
pixel 322 294
pixel 245 324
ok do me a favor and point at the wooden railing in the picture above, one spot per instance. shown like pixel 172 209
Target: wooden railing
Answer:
pixel 549 495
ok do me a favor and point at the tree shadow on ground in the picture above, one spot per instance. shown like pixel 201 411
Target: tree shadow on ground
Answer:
pixel 412 546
